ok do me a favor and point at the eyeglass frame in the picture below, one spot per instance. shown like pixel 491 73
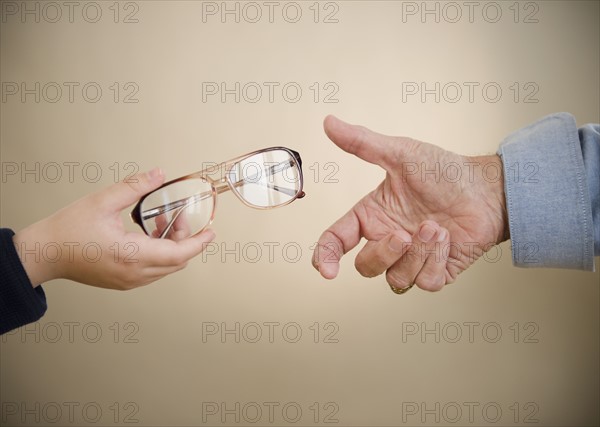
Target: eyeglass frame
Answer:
pixel 219 186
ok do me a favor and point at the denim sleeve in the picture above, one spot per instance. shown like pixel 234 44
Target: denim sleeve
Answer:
pixel 552 186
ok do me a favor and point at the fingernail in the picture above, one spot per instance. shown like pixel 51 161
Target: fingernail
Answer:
pixel 397 244
pixel 426 233
pixel 442 235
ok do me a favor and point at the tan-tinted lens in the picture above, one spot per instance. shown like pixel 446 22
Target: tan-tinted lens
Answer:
pixel 179 210
pixel 267 179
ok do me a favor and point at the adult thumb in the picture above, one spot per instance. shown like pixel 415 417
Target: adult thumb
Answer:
pixel 370 146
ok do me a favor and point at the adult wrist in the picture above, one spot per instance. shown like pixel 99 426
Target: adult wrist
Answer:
pixel 491 181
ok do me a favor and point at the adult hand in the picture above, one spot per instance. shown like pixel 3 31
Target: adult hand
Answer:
pixel 87 242
pixel 433 215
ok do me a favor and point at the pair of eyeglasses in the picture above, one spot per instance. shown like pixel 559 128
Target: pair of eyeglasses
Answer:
pixel 264 179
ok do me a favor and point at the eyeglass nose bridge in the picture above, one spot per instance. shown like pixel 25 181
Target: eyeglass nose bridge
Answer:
pixel 221 185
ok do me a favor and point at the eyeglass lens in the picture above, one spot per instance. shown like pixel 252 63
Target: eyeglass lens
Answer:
pixel 267 179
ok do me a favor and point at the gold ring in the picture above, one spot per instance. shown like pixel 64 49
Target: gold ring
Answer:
pixel 400 291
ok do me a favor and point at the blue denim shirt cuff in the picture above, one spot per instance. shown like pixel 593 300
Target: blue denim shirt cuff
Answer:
pixel 547 196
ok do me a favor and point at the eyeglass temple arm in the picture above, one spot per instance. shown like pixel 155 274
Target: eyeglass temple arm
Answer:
pixel 181 203
pixel 170 224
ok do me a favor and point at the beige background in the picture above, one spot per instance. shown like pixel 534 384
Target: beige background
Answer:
pixel 374 374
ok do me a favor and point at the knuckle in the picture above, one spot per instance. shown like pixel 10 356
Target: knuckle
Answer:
pixel 429 222
pixel 429 282
pixel 133 182
pixel 176 258
pixel 359 140
pixel 125 286
pixel 129 285
pixel 364 271
pixel 130 279
pixel 365 268
pixel 450 276
pixel 397 278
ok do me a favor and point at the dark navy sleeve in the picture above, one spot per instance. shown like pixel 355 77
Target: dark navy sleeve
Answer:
pixel 20 302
